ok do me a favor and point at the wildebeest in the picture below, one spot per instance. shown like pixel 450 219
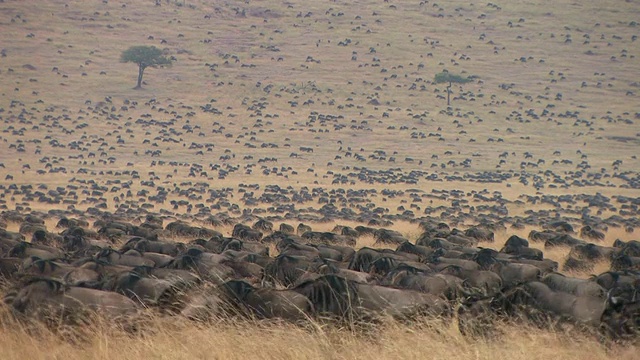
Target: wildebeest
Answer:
pixel 578 287
pixel 623 262
pixel 333 295
pixel 268 303
pixel 180 228
pixel 244 232
pixel 302 228
pixel 161 247
pixel 51 300
pixel 562 240
pixel 386 236
pixel 422 251
pixel 365 257
pixel 364 230
pixel 479 233
pixel 207 266
pixel 588 232
pixel 511 273
pixel 485 283
pixel 9 267
pixel 561 226
pixel 520 247
pixel 116 258
pixel 611 279
pixel 631 248
pixel 538 302
pixel 24 250
pixel 65 223
pixel 263 225
pixel 542 236
pixel 286 269
pixel 620 318
pixel 323 273
pixel 442 285
pixel 146 290
pixel 286 228
pixel 70 275
pixel 545 265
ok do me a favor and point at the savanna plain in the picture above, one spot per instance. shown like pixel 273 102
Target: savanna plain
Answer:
pixel 325 113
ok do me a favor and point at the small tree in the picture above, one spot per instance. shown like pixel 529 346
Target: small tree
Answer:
pixel 144 56
pixel 446 77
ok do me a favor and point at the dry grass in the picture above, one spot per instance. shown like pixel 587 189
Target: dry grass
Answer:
pixel 412 42
pixel 245 339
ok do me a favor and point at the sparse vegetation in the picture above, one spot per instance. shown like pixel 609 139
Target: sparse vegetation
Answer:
pixel 447 77
pixel 144 57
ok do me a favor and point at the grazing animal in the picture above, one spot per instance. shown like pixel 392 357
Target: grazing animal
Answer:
pixel 51 300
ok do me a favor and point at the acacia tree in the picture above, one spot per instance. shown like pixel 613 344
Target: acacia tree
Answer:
pixel 144 56
pixel 446 77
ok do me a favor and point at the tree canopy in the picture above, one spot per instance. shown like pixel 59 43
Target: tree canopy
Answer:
pixel 447 77
pixel 144 56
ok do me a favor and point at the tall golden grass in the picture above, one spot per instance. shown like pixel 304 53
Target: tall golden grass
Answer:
pixel 84 39
pixel 165 338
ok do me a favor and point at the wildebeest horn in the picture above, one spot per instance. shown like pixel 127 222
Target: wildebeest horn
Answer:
pixel 612 299
pixel 41 264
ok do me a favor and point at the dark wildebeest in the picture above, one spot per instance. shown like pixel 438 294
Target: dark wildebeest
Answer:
pixel 267 303
pixel 302 228
pixel 244 232
pixel 520 247
pixel 263 225
pixel 563 240
pixel 538 302
pixel 575 286
pixel 51 300
pixel 334 295
pixel 286 228
pixel 479 233
pixel 588 232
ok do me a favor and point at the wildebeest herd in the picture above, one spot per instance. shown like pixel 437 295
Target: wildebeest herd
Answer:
pixel 116 268
pixel 213 193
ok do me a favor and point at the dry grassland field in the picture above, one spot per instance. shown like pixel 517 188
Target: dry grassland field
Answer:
pixel 502 225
